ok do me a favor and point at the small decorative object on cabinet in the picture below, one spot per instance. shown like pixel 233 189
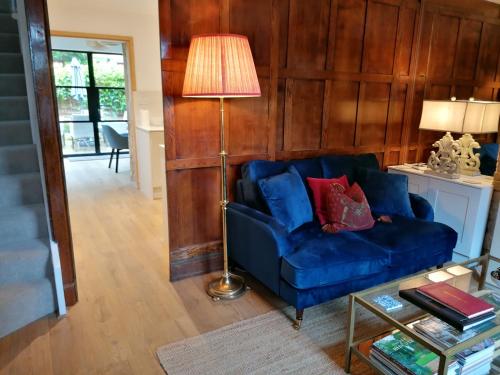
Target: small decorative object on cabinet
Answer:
pixel 458 116
pixel 461 203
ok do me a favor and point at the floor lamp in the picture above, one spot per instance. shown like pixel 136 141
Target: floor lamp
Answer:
pixel 221 66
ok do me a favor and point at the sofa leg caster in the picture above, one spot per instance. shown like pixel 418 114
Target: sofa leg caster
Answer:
pixel 439 266
pixel 299 315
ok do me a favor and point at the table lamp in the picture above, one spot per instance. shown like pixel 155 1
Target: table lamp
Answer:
pixel 443 115
pixel 481 117
pixel 458 116
pixel 221 66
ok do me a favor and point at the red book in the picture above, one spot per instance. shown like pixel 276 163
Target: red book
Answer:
pixel 455 299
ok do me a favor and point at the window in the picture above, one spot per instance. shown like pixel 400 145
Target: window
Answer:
pixel 90 90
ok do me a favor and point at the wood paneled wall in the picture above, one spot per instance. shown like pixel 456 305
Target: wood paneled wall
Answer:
pixel 337 76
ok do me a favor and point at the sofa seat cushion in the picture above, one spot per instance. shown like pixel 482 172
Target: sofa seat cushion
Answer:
pixel 411 240
pixel 323 259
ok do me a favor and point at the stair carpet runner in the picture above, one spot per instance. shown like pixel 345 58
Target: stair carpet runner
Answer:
pixel 26 283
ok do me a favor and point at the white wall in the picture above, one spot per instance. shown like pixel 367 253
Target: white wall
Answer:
pixel 135 18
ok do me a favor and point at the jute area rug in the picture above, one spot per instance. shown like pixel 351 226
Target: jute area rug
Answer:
pixel 266 344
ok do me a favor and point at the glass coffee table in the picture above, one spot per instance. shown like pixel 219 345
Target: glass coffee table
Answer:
pixel 469 276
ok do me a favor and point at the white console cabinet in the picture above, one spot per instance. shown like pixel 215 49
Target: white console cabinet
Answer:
pixel 461 203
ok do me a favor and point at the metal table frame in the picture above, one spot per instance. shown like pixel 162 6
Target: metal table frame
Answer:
pixel 445 355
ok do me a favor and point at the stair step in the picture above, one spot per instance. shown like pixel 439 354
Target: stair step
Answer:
pixel 18 159
pixel 11 62
pixel 15 133
pixel 24 303
pixel 23 223
pixel 13 108
pixel 20 189
pixel 9 42
pixel 8 24
pixel 24 261
pixel 12 85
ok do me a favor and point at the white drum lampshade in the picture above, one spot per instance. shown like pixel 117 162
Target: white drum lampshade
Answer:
pixel 443 115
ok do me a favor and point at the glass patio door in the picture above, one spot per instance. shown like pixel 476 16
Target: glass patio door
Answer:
pixel 90 94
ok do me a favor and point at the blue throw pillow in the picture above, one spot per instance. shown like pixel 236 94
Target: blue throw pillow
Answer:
pixel 387 193
pixel 286 197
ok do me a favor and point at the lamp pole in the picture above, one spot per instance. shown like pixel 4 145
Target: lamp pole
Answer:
pixel 228 286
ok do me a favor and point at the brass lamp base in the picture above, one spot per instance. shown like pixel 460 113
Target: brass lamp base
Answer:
pixel 229 286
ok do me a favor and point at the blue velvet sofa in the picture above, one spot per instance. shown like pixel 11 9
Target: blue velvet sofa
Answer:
pixel 307 266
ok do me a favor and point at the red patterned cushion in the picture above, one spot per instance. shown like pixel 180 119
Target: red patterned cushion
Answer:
pixel 347 209
pixel 320 188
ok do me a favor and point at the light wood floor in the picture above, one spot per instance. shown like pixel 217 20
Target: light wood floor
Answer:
pixel 127 307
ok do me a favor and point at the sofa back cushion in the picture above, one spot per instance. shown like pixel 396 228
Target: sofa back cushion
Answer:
pixel 387 193
pixel 287 199
pixel 335 166
pixel 488 156
pixel 255 170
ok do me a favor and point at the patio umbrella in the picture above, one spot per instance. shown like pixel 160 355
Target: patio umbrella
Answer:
pixel 77 93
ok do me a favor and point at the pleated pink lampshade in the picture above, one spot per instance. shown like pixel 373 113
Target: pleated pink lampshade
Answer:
pixel 220 65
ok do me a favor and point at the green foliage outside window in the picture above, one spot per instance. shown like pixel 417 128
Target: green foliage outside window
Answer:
pixel 106 73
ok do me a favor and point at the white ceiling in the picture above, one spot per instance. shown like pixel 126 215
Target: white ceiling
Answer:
pixel 117 6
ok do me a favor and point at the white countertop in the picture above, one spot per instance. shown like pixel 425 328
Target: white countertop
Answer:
pixel 150 128
pixel 480 181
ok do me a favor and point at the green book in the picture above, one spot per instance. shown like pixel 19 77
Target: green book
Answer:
pixel 409 355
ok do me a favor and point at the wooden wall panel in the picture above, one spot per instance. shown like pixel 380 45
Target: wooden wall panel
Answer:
pixel 469 39
pixel 191 17
pixel 380 40
pixel 307 34
pixel 443 46
pixel 193 205
pixel 372 114
pixel 253 19
pixel 337 76
pixel 407 18
pixel 303 115
pixel 248 126
pixel 395 119
pixel 350 27
pixel 340 119
pixel 196 128
pixel 488 57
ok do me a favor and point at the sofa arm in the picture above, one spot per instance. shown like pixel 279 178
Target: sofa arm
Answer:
pixel 257 242
pixel 421 207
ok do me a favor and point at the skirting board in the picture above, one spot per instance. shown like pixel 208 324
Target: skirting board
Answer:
pixel 195 260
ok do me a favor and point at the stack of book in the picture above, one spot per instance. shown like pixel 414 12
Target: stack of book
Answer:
pixel 398 354
pixel 459 309
pixel 474 360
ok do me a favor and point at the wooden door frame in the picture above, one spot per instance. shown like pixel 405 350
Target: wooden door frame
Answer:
pixel 50 143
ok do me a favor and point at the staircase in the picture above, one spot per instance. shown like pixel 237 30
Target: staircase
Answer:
pixel 26 281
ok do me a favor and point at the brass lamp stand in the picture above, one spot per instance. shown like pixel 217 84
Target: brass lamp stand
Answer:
pixel 228 286
pixel 221 66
